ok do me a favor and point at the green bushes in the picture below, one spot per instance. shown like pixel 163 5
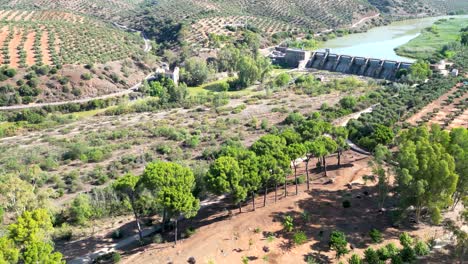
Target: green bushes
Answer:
pixel 288 223
pixel 338 243
pixel 376 236
pixel 299 238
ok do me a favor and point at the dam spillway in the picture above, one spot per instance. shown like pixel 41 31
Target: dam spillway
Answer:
pixel 370 67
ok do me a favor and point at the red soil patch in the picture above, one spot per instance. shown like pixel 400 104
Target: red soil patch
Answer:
pixel 461 121
pixel 13 48
pixel 28 47
pixel 45 48
pixel 221 238
pixel 3 34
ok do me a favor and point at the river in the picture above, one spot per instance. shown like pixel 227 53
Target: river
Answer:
pixel 380 42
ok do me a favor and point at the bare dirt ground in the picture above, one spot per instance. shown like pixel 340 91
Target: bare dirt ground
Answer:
pixel 45 48
pixel 29 48
pixel 13 48
pixel 3 34
pixel 221 238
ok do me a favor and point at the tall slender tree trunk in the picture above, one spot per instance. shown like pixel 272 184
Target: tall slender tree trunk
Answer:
pixel 137 219
pixel 175 233
pixel 324 166
pixel 339 157
pixel 295 176
pixel 240 207
pixel 285 185
pixel 253 200
pixel 265 195
pixel 276 191
pixel 164 220
pixel 307 174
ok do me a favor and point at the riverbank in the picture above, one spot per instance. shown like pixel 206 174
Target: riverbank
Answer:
pixel 380 42
pixel 432 39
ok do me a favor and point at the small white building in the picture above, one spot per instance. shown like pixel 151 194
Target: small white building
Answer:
pixel 454 73
pixel 165 71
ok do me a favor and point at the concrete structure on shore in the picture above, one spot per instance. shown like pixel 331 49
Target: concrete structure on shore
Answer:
pixel 370 67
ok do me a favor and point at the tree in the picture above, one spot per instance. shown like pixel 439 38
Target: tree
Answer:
pixel 426 174
pixel 18 196
pixel 172 186
pixel 329 147
pixel 381 154
pixel 195 71
pixel 458 148
pixel 313 149
pixel 338 243
pixel 274 148
pixel 224 176
pixel 249 167
pixel 80 209
pixel 296 151
pixel 126 186
pixel 8 251
pixel 340 135
pixel 420 70
pixel 248 72
pixel 31 235
pixel 348 102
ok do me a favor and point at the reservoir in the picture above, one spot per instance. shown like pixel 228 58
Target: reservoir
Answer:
pixel 380 42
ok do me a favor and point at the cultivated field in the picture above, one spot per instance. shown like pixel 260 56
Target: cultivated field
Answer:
pixel 57 38
pixel 105 9
pixel 449 111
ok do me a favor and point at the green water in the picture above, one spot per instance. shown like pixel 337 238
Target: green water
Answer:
pixel 380 42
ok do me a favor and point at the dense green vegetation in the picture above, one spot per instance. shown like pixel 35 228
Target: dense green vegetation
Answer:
pixel 440 39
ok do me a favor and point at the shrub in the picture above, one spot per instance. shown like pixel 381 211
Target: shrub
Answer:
pixel 371 256
pixel 95 155
pixel 406 240
pixel 383 253
pixel 192 142
pixel 376 236
pixel 355 259
pixel 158 239
pixel 421 248
pixel 190 231
pixel 288 223
pixel 407 254
pixel 392 250
pixel 116 257
pixel 299 238
pixel 86 76
pixel 294 118
pixel 338 243
pixel 282 79
pixel 396 260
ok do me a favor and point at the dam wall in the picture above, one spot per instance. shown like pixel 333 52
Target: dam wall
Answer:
pixel 370 67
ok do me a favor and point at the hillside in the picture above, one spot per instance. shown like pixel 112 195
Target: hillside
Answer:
pixel 109 9
pixel 63 56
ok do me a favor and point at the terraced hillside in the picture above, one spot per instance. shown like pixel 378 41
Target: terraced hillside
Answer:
pixel 57 38
pixel 105 9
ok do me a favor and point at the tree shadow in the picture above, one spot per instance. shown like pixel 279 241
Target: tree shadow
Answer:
pixel 322 212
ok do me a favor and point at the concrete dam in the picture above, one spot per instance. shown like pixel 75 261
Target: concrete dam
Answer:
pixel 370 67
